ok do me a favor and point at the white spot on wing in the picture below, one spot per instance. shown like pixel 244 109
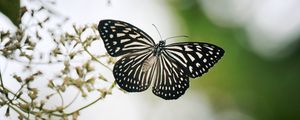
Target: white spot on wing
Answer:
pixel 124 40
pixel 209 48
pixel 191 69
pixel 134 36
pixel 126 31
pixel 199 54
pixel 118 24
pixel 129 29
pixel 175 47
pixel 198 64
pixel 204 60
pixel 117 49
pixel 187 48
pixel 120 34
pixel 191 57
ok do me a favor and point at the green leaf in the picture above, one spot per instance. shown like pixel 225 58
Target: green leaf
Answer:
pixel 11 9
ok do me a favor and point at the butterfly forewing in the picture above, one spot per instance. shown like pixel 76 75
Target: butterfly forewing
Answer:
pixel 129 74
pixel 196 57
pixel 121 38
pixel 170 82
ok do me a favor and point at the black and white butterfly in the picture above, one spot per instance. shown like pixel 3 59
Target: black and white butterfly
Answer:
pixel 168 66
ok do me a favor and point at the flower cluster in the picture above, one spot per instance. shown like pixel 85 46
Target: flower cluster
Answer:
pixel 76 66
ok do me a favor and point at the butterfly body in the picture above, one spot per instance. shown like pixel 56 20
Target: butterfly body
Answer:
pixel 158 48
pixel 167 67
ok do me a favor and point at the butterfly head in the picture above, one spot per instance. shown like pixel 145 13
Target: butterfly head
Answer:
pixel 162 43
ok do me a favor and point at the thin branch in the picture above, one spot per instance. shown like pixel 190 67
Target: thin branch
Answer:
pixel 19 112
pixel 73 100
pixel 2 85
pixel 96 59
pixel 95 101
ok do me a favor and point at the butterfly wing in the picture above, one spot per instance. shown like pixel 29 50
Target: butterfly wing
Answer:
pixel 121 38
pixel 129 73
pixel 196 57
pixel 170 81
pixel 171 69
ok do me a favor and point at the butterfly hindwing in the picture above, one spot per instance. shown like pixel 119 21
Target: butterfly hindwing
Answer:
pixel 196 57
pixel 170 82
pixel 129 74
pixel 121 38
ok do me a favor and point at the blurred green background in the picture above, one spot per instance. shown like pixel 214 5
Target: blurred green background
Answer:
pixel 263 87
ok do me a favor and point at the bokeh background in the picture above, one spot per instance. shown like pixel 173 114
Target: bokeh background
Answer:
pixel 257 79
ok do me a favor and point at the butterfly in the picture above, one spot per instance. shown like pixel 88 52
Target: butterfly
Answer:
pixel 143 61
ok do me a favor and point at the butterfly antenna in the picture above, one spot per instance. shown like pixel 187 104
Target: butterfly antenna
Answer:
pixel 185 36
pixel 157 31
